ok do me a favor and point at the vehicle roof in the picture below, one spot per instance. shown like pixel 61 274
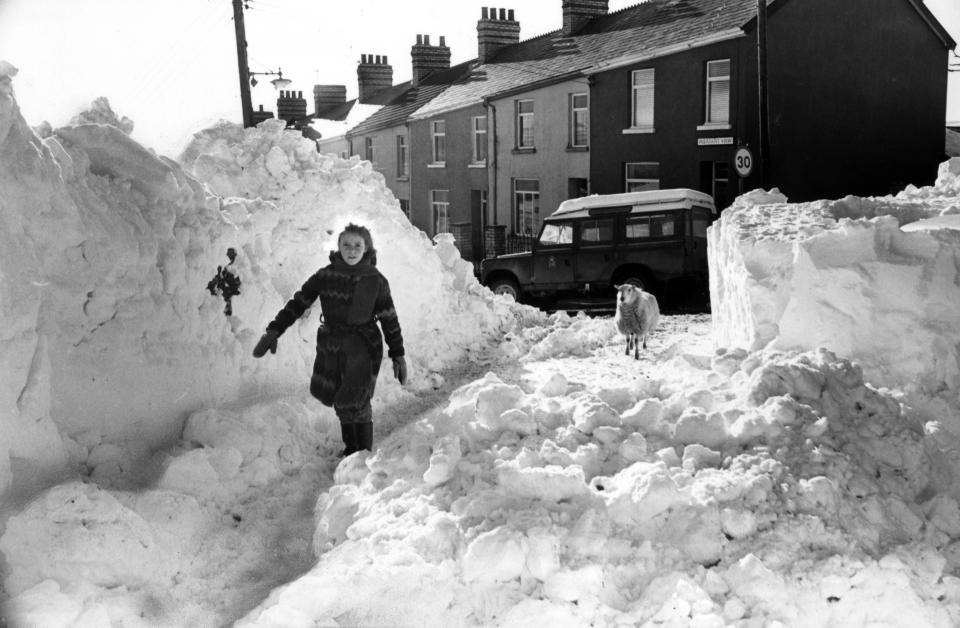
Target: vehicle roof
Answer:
pixel 641 202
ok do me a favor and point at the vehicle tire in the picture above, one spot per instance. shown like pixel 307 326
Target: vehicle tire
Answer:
pixel 506 287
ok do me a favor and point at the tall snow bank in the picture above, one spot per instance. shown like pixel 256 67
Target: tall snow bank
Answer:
pixel 874 279
pixel 108 330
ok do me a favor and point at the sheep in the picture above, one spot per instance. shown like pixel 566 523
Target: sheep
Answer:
pixel 637 314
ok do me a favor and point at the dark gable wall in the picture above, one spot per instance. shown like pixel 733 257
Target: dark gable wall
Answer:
pixel 457 177
pixel 857 105
pixel 678 109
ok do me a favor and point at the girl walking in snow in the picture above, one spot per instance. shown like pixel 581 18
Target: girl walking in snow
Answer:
pixel 353 297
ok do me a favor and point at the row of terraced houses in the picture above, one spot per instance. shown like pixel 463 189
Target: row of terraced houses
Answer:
pixel 658 95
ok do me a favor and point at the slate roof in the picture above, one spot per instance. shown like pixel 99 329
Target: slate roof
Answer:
pixel 404 99
pixel 636 31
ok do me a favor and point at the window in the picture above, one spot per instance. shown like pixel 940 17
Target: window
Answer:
pixel 557 233
pixel 368 149
pixel 579 120
pixel 440 207
pixel 526 195
pixel 642 99
pixel 403 163
pixel 405 206
pixel 525 124
pixel 577 188
pixel 438 130
pixel 596 231
pixel 701 220
pixel 718 92
pixel 642 175
pixel 479 140
pixel 651 226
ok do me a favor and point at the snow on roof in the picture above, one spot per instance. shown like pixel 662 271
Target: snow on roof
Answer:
pixel 654 199
pixel 333 128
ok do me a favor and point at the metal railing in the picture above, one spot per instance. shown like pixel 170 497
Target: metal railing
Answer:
pixel 518 243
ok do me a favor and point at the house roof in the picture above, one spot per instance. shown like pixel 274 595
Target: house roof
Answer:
pixel 405 98
pixel 650 29
pixel 643 30
pixel 337 120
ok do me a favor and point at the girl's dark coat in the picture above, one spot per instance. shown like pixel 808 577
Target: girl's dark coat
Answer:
pixel 349 344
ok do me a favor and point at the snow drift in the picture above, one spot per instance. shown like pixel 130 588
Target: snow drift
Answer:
pixel 875 279
pixel 113 326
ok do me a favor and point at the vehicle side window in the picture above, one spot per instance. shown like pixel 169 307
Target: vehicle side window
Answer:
pixel 701 220
pixel 651 226
pixel 557 233
pixel 596 230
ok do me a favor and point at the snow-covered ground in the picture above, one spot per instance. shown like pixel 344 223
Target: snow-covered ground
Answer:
pixel 530 474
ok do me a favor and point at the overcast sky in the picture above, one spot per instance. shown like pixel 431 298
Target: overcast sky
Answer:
pixel 172 67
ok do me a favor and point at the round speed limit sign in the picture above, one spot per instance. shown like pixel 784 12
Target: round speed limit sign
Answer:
pixel 743 161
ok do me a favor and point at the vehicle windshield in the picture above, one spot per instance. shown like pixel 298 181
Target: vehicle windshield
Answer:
pixel 557 233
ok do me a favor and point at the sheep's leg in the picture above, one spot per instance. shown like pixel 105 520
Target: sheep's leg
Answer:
pixel 644 341
pixel 626 351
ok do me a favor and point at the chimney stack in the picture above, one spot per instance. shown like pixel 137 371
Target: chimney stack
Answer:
pixel 373 75
pixel 327 96
pixel 576 13
pixel 428 59
pixel 291 106
pixel 494 33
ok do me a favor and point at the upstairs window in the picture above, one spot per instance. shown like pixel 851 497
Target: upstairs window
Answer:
pixel 579 120
pixel 718 92
pixel 642 89
pixel 438 132
pixel 525 122
pixel 480 140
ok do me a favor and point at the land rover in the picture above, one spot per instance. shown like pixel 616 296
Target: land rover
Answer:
pixel 655 239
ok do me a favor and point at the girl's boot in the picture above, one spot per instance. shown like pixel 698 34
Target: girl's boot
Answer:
pixel 348 432
pixel 364 434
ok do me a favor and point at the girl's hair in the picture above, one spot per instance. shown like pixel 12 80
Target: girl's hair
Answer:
pixel 363 232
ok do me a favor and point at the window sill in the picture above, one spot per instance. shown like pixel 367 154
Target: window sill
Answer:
pixel 523 151
pixel 714 127
pixel 441 164
pixel 635 130
pixel 403 178
pixel 479 164
pixel 578 149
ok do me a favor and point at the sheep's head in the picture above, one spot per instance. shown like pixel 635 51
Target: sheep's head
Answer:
pixel 627 293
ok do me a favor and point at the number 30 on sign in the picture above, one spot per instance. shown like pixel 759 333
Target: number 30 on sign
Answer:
pixel 743 161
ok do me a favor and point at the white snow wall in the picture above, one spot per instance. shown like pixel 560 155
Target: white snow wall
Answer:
pixel 876 280
pixel 108 333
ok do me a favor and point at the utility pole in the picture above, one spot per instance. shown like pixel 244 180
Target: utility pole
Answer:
pixel 762 91
pixel 245 100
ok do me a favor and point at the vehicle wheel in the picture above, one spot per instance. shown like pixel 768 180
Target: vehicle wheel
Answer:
pixel 506 287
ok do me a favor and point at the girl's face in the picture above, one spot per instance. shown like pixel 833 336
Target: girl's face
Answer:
pixel 352 247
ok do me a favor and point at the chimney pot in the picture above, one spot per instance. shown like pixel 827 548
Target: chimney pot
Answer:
pixel 419 39
pixel 510 15
pixel 503 14
pixel 493 13
pixel 384 59
pixel 483 13
pixel 443 40
pixel 426 40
